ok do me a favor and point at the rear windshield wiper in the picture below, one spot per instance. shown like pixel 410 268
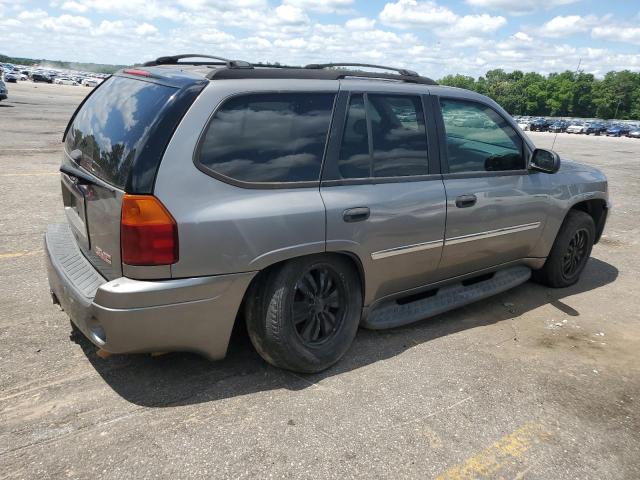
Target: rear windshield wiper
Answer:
pixel 81 177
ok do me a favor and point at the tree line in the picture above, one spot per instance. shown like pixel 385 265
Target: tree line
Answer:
pixel 566 94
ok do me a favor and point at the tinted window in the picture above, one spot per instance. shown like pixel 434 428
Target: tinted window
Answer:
pixel 274 137
pixel 478 139
pixel 399 136
pixel 354 160
pixel 111 127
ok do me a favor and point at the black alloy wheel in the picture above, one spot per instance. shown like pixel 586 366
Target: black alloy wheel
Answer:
pixel 318 305
pixel 576 253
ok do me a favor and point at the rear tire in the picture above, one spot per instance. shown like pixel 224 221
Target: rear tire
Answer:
pixel 304 315
pixel 570 251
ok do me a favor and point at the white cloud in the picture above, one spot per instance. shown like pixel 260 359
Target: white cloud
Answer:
pixel 408 13
pixel 107 27
pixel 291 14
pixel 445 23
pixel 473 25
pixel 618 33
pixel 322 6
pixel 145 29
pixel 563 26
pixel 32 14
pixel 360 23
pixel 518 7
pixel 523 37
pixel 66 23
pixel 74 7
pixel 222 5
pixel 133 8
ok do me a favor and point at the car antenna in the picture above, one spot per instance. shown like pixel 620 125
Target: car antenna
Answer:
pixel 575 73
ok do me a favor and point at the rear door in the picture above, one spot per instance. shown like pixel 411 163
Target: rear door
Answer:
pixel 383 194
pixel 106 139
pixel 496 209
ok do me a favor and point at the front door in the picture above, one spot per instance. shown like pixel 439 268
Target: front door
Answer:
pixel 496 208
pixel 383 202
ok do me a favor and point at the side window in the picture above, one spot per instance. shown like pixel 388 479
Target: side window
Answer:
pixel 479 139
pixel 354 160
pixel 272 137
pixel 399 136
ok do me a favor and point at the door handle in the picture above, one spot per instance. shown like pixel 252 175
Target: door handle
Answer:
pixel 464 201
pixel 357 214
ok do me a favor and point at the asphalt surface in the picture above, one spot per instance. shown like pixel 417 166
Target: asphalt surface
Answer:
pixel 534 383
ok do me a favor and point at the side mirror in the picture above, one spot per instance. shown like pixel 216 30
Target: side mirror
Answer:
pixel 544 160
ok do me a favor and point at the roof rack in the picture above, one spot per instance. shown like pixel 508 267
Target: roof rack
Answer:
pixel 237 69
pixel 174 60
pixel 310 74
pixel 401 71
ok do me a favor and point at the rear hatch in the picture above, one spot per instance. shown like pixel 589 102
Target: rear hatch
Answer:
pixel 113 145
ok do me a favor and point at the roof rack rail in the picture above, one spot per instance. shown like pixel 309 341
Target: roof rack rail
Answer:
pixel 174 60
pixel 401 71
pixel 310 74
pixel 237 69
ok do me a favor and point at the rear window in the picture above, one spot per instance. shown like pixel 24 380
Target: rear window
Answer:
pixel 272 137
pixel 111 127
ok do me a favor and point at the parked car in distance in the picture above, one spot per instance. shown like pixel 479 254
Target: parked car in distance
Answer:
pixel 576 127
pixel 90 82
pixel 539 125
pixel 523 125
pixel 303 201
pixel 635 133
pixel 558 127
pixel 65 81
pixel 41 77
pixel 3 90
pixel 11 77
pixel 595 129
pixel 617 130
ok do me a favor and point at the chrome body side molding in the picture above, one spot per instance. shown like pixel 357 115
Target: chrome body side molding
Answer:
pixel 416 247
pixel 491 233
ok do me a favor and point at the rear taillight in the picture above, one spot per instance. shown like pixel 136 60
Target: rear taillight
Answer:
pixel 148 232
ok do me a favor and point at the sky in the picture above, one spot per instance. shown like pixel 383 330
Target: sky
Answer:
pixel 435 38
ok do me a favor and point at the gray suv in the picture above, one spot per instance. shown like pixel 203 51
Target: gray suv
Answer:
pixel 304 201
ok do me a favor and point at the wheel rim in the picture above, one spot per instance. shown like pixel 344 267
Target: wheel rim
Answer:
pixel 318 305
pixel 576 253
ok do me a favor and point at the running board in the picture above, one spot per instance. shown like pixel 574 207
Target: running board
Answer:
pixel 396 313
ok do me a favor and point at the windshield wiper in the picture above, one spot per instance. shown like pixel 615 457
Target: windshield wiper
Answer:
pixel 81 177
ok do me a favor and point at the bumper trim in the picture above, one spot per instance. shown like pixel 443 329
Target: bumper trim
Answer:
pixel 131 316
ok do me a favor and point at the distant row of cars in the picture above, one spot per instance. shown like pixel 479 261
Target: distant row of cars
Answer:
pixel 14 74
pixel 579 127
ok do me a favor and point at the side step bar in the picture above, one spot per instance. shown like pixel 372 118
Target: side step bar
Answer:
pixel 396 313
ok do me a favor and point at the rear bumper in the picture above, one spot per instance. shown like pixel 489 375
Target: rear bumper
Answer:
pixel 132 316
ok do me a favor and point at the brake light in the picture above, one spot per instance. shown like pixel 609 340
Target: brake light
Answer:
pixel 135 71
pixel 148 232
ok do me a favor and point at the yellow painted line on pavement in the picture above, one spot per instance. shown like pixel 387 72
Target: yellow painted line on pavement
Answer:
pixel 28 174
pixel 18 254
pixel 508 449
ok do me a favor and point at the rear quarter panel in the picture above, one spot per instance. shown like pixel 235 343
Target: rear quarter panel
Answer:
pixel 224 228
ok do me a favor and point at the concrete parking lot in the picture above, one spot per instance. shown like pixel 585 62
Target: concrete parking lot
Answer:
pixel 534 383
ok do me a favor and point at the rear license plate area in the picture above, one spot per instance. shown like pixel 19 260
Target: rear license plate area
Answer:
pixel 73 197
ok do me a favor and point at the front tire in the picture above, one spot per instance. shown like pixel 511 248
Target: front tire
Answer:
pixel 570 251
pixel 304 315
